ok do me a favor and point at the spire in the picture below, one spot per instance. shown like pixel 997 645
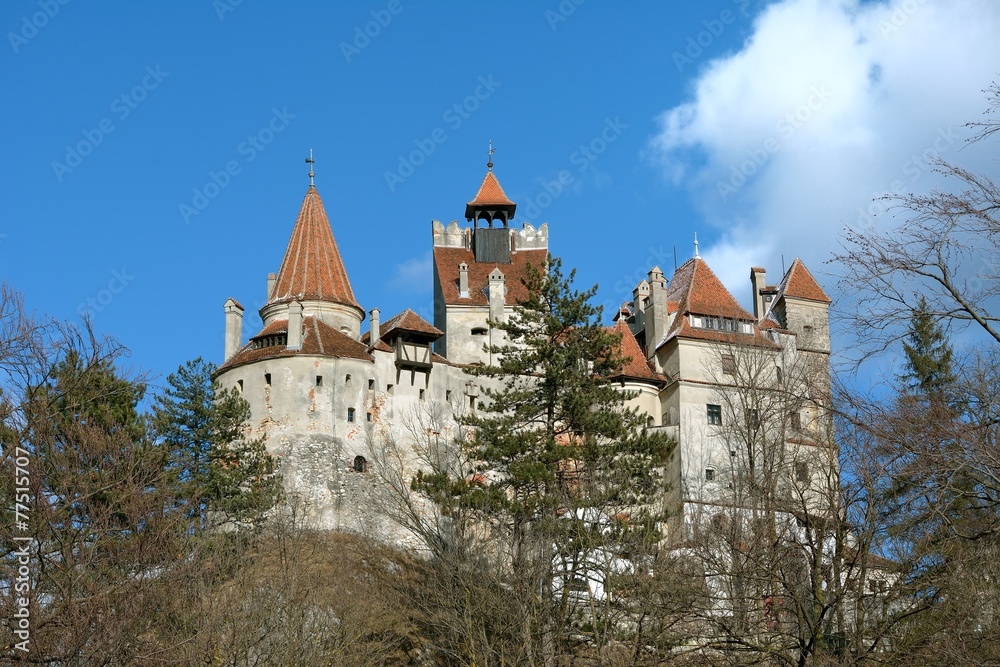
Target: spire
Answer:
pixel 696 255
pixel 312 174
pixel 312 268
pixel 489 162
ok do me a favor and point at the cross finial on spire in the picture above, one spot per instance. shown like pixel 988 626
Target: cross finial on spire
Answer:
pixel 310 161
pixel 489 164
pixel 696 255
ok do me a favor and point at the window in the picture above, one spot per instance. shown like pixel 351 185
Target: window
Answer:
pixel 777 373
pixel 479 331
pixel 267 379
pixel 350 414
pixel 360 464
pixel 649 422
pixel 371 384
pixel 447 394
pixel 389 389
pixel 714 415
pixel 802 472
pixel 796 421
pixel 472 403
pixel 421 394
pixel 347 379
pixel 709 474
pixel 239 386
pixel 728 364
pixel 368 416
pixel 319 380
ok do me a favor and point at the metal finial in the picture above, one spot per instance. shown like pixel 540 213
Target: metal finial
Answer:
pixel 696 255
pixel 489 165
pixel 310 161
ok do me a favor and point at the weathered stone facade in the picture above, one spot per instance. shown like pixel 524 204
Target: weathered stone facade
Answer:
pixel 332 403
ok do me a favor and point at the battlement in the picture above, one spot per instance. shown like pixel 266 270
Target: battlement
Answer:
pixel 454 235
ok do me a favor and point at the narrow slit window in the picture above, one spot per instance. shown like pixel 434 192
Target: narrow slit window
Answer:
pixel 371 384
pixel 319 380
pixel 267 379
pixel 239 386
pixel 350 414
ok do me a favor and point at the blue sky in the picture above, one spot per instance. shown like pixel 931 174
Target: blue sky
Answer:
pixel 154 152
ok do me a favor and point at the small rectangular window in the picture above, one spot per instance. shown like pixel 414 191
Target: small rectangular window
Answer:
pixel 709 474
pixel 715 415
pixel 371 384
pixel 368 416
pixel 319 380
pixel 267 379
pixel 421 394
pixel 728 364
pixel 350 414
pixel 802 472
pixel 447 394
pixel 239 386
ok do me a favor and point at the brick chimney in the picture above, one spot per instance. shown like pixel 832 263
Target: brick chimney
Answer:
pixel 234 326
pixel 294 326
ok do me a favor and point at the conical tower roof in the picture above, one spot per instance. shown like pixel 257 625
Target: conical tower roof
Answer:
pixel 312 268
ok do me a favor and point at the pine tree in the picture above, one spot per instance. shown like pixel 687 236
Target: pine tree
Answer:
pixel 220 474
pixel 929 361
pixel 564 472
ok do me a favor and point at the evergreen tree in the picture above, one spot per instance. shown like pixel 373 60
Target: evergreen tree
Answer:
pixel 220 474
pixel 564 473
pixel 929 362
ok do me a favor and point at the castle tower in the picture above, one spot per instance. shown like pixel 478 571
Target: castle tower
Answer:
pixel 478 271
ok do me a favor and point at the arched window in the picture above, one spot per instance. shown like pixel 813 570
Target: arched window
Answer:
pixel 360 464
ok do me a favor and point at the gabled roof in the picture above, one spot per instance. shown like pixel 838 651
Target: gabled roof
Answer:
pixel 312 268
pixel 405 321
pixel 446 261
pixel 798 283
pixel 637 367
pixel 318 338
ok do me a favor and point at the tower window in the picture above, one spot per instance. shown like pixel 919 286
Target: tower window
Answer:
pixel 709 474
pixel 239 386
pixel 368 416
pixel 360 464
pixel 350 414
pixel 319 380
pixel 371 384
pixel 714 414
pixel 267 379
pixel 421 394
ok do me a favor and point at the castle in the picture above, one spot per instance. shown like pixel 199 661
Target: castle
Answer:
pixel 327 397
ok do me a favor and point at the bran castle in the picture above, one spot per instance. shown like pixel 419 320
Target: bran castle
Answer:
pixel 329 399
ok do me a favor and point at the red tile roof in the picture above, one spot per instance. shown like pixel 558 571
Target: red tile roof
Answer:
pixel 490 193
pixel 312 267
pixel 318 338
pixel 697 290
pixel 446 261
pixel 637 367
pixel 798 283
pixel 405 321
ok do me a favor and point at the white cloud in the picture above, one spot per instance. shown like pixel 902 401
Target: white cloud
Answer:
pixel 413 275
pixel 828 104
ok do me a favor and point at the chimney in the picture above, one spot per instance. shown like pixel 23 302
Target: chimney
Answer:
pixel 656 313
pixel 758 280
pixel 463 280
pixel 294 326
pixel 271 279
pixel 234 326
pixel 639 296
pixel 375 336
pixel 496 294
